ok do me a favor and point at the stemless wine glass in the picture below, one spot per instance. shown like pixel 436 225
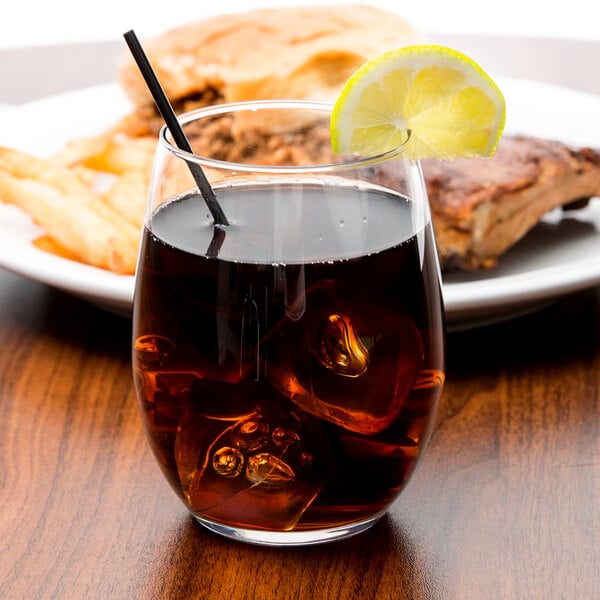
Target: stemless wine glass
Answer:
pixel 288 366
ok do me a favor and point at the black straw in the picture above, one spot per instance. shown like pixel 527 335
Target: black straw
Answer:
pixel 168 114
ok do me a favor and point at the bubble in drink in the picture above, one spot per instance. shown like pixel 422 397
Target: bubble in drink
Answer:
pixel 251 434
pixel 284 437
pixel 339 348
pixel 228 462
pixel 153 350
pixel 266 469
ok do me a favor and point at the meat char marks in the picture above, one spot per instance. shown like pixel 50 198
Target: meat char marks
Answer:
pixel 482 206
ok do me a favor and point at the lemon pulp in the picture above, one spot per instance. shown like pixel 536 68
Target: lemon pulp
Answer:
pixel 433 100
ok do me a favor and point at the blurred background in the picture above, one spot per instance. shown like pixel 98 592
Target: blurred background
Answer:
pixel 72 44
pixel 38 22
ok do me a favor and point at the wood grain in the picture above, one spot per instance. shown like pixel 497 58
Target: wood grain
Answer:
pixel 503 505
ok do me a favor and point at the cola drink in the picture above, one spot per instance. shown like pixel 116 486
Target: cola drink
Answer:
pixel 288 379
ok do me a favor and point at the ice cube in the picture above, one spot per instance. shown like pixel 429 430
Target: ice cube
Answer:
pixel 210 408
pixel 346 362
pixel 258 470
pixel 163 393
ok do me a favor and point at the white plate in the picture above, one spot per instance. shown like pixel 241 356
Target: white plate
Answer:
pixel 562 254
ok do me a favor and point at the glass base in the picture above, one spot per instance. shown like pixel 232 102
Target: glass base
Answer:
pixel 262 537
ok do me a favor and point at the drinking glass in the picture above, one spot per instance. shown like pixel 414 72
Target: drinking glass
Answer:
pixel 288 365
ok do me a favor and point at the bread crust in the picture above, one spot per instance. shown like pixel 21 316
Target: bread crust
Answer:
pixel 288 52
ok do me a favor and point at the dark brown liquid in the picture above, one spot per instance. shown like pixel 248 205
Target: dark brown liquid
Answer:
pixel 295 390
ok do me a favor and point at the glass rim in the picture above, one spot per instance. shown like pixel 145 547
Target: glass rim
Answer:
pixel 348 162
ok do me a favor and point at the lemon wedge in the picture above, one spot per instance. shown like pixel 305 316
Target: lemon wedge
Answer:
pixel 435 101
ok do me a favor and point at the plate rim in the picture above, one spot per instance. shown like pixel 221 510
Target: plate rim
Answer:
pixel 116 291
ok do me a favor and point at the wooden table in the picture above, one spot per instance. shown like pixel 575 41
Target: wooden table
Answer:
pixel 505 503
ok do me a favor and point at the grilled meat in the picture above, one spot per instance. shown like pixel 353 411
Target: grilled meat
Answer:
pixel 481 207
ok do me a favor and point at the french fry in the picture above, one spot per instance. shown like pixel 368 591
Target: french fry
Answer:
pixel 49 244
pixel 79 151
pixel 65 207
pixel 127 196
pixel 89 177
pixel 125 154
pixel 112 152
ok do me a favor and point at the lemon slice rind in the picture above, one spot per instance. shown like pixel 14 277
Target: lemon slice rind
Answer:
pixel 445 99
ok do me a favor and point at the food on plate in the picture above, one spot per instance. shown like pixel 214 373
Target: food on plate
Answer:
pixel 481 207
pixel 90 198
pixel 110 152
pixel 285 52
pixel 70 212
pixel 123 162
